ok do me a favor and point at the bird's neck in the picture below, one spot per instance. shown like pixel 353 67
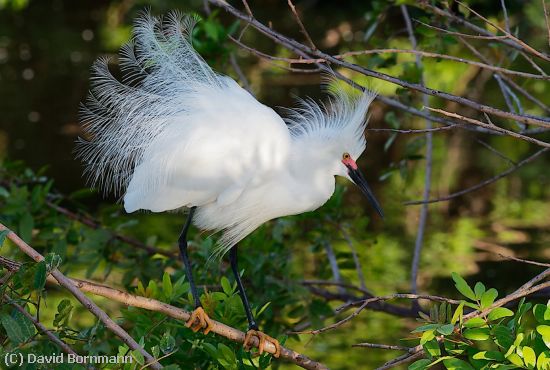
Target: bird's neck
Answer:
pixel 312 167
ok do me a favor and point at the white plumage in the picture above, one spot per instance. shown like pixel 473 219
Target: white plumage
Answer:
pixel 175 134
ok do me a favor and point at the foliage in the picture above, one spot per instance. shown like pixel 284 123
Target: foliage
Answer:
pixel 498 338
pixel 44 69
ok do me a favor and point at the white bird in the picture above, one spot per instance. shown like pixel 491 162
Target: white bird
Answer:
pixel 174 134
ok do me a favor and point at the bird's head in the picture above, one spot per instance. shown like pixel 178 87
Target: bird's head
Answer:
pixel 334 135
pixel 352 172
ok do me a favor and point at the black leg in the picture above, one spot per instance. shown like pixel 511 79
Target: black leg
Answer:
pixel 182 242
pixel 233 258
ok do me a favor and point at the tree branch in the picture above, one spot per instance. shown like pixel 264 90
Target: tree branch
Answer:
pixel 86 302
pixel 171 311
pixel 308 52
pixel 481 184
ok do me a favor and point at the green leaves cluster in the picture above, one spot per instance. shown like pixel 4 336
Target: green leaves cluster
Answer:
pixel 494 338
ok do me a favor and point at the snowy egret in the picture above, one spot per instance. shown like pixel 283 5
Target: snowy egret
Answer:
pixel 175 135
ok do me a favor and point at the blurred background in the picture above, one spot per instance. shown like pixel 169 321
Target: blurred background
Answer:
pixel 47 48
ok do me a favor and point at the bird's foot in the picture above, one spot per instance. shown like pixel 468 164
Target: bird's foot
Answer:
pixel 199 320
pixel 262 339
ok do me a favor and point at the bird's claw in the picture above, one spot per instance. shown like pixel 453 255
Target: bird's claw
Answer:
pixel 262 339
pixel 199 320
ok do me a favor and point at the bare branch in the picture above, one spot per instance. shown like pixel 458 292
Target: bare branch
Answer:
pixel 546 18
pixel 96 225
pixel 382 346
pixel 41 328
pixel 481 184
pixel 428 171
pixel 490 127
pixel 301 25
pixel 239 72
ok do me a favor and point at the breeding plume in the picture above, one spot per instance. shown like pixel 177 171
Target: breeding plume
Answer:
pixel 175 135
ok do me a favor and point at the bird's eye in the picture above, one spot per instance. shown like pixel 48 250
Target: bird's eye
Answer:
pixel 346 156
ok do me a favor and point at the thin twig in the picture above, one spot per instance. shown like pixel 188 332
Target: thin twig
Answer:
pixel 355 256
pixel 86 302
pixel 239 72
pixel 498 153
pixel 490 127
pixel 428 167
pixel 522 260
pixel 301 25
pixel 382 346
pixel 96 225
pixel 364 303
pixel 505 14
pixel 64 346
pixel 416 131
pixel 510 39
pixel 520 42
pixel 546 19
pixel 481 184
pixel 333 263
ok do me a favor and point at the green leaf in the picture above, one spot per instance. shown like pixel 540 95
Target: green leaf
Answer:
pixel 540 311
pixel 4 193
pixel 503 336
pixel 544 331
pixel 488 298
pixel 479 289
pixel 40 275
pixel 463 287
pixel 426 327
pixel 26 224
pixel 13 329
pixel 529 357
pixel 477 333
pixel 167 343
pixel 63 315
pixel 432 348
pixel 489 355
pixel 427 336
pixel 53 261
pixel 226 286
pixel 138 357
pixel 167 285
pixel 446 329
pixel 456 364
pixel 515 359
pixel 3 236
pixel 475 322
pixel 543 361
pixel 499 313
pixel 457 316
pixel 420 364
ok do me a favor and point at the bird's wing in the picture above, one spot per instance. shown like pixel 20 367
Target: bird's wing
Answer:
pixel 229 142
pixel 174 133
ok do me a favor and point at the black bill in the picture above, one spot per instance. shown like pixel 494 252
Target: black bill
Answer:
pixel 360 181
